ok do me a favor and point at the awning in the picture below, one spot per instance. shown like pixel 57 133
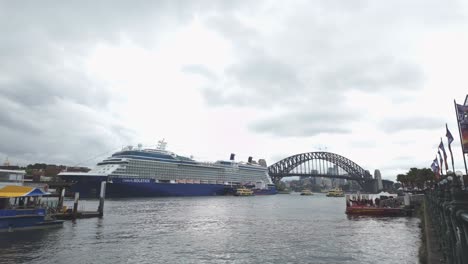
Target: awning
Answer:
pixel 11 191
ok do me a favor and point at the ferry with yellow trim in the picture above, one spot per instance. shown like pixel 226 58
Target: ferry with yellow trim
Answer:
pixel 244 192
pixel 335 192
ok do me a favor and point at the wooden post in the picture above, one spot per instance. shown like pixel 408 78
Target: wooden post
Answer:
pixel 75 205
pixel 102 197
pixel 60 202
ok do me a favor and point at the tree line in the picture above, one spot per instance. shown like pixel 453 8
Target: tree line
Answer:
pixel 416 178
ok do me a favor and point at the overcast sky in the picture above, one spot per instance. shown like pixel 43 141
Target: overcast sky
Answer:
pixel 373 81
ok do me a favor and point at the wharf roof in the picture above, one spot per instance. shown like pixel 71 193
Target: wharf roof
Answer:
pixel 12 191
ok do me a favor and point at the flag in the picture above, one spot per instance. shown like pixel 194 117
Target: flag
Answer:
pixel 449 137
pixel 435 168
pixel 450 140
pixel 462 117
pixel 441 163
pixel 441 146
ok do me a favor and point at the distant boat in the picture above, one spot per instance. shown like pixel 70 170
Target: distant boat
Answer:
pixel 306 192
pixel 20 209
pixel 244 192
pixel 377 211
pixel 335 192
pixel 363 205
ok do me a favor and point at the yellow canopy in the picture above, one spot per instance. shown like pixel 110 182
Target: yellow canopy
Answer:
pixel 11 191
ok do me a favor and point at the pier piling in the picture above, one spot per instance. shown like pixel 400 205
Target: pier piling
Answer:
pixel 60 201
pixel 102 197
pixel 75 205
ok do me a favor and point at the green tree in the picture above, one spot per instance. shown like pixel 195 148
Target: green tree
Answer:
pixel 402 179
pixel 416 178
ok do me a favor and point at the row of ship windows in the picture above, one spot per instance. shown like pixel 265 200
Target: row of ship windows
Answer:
pixel 165 167
pixel 197 176
pixel 169 171
pixel 152 164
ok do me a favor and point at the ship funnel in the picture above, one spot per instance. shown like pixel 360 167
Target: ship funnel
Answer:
pixel 249 160
pixel 232 156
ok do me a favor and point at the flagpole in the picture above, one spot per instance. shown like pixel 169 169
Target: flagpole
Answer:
pixel 461 140
pixel 441 172
pixel 445 155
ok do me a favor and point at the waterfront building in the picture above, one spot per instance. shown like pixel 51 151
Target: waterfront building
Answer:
pixel 11 177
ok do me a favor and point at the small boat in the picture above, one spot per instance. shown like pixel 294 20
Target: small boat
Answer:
pixel 306 192
pixel 363 205
pixel 242 191
pixel 377 211
pixel 20 209
pixel 335 192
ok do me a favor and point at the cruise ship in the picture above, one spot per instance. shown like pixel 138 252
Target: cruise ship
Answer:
pixel 139 172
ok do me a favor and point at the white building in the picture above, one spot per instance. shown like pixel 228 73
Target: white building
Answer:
pixel 11 177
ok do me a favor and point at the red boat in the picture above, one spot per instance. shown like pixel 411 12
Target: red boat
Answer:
pixel 383 206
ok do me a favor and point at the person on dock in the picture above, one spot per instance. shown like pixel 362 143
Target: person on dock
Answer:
pixel 21 202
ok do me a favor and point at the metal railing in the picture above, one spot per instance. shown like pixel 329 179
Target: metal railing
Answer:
pixel 447 205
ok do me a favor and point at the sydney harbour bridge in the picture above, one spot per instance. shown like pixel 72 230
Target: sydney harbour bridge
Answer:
pixel 321 164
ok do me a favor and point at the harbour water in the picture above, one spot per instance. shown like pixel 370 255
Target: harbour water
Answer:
pixel 261 229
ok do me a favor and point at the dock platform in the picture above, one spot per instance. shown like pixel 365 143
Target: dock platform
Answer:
pixel 78 215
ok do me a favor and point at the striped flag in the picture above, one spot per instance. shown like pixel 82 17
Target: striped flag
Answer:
pixel 449 136
pixel 450 140
pixel 441 146
pixel 441 163
pixel 434 167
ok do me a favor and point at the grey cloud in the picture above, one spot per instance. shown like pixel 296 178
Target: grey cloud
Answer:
pixel 412 123
pixel 261 81
pixel 242 35
pixel 63 132
pixel 305 124
pixel 317 53
pixel 60 113
pixel 377 75
pixel 51 110
pixel 265 75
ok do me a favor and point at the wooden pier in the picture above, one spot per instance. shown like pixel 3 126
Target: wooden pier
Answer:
pixel 72 214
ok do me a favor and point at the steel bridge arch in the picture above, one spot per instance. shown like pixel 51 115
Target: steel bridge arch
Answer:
pixel 283 167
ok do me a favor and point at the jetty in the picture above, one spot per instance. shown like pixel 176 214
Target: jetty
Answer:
pixel 64 213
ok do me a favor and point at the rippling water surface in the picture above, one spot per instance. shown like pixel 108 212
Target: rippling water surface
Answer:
pixel 261 229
